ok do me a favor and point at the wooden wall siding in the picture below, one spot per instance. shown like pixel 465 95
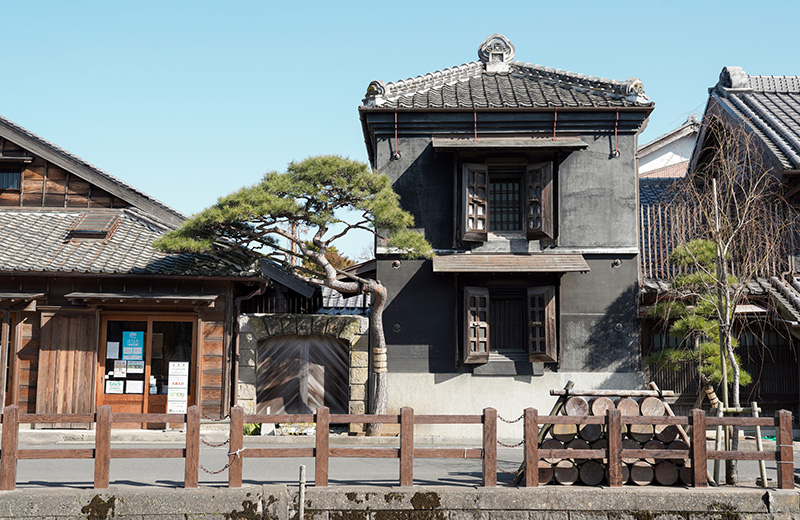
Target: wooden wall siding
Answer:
pixel 213 364
pixel 67 354
pixel 27 363
pixel 47 185
pixel 297 374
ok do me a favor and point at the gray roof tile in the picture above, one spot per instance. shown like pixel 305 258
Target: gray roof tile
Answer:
pixel 517 85
pixel 38 241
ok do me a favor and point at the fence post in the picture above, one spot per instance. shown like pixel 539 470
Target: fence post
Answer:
pixel 406 446
pixel 192 462
pixel 236 437
pixel 102 447
pixel 614 433
pixel 8 448
pixel 699 454
pixel 489 447
pixel 783 419
pixel 322 451
pixel 531 447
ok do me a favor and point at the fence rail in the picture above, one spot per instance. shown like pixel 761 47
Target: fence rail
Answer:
pixel 614 423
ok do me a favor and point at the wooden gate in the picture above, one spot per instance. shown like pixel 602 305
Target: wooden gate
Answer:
pixel 67 352
pixel 297 374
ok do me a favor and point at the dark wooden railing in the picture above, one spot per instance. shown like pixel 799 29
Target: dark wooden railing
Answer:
pixel 102 453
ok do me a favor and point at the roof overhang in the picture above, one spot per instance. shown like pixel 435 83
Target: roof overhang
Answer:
pixel 142 298
pixel 510 263
pixel 15 300
pixel 444 144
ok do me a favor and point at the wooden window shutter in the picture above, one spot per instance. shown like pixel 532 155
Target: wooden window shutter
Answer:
pixel 476 321
pixel 542 341
pixel 475 222
pixel 540 201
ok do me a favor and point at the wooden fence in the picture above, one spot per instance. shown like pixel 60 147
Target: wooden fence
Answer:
pixel 614 422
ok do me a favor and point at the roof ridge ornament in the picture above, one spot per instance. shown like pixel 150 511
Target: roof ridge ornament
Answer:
pixel 734 77
pixel 496 52
pixel 633 89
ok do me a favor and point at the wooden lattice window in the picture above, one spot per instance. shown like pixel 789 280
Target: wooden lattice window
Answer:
pixel 476 333
pixel 542 345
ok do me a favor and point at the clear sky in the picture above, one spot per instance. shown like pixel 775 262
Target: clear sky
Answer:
pixel 189 100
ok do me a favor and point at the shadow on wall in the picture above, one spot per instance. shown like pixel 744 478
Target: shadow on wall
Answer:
pixel 612 343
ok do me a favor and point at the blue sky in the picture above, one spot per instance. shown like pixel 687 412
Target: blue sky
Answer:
pixel 189 100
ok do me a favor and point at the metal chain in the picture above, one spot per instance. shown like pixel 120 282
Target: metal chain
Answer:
pixel 226 466
pixel 212 445
pixel 518 419
pixel 520 443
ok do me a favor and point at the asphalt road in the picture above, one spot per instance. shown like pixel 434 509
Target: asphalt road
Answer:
pixel 257 471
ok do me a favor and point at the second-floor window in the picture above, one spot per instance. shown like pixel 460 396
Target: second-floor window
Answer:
pixel 507 198
pixel 9 178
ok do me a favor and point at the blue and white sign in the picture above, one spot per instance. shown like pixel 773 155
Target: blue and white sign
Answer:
pixel 133 346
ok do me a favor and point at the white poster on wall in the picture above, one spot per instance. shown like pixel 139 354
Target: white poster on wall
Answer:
pixel 178 389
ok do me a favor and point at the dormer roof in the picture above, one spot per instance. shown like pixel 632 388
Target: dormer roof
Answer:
pixel 496 80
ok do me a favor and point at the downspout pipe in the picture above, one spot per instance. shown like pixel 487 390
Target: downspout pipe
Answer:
pixel 262 287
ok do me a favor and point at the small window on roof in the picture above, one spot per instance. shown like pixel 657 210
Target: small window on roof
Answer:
pixel 94 225
pixel 10 178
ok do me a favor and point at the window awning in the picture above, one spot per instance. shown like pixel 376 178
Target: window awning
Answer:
pixel 483 143
pixel 510 263
pixel 11 300
pixel 150 298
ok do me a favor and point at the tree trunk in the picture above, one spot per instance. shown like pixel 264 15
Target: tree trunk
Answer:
pixel 380 399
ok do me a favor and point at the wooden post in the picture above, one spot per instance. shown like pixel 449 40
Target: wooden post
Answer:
pixel 531 447
pixel 785 461
pixel 236 437
pixel 489 447
pixel 406 446
pixel 699 459
pixel 8 448
pixel 762 466
pixel 322 451
pixel 614 434
pixel 192 462
pixel 102 447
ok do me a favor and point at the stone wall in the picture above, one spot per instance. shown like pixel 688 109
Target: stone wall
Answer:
pixel 353 330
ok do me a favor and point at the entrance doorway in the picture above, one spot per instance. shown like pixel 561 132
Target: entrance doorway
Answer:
pixel 134 360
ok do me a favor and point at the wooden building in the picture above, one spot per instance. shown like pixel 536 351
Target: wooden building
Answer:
pixel 91 313
pixel 523 178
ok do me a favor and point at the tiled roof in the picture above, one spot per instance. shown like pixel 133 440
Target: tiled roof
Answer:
pixel 497 81
pixel 510 263
pixel 40 241
pixel 654 189
pixel 673 171
pixel 770 105
pixel 14 132
pixel 334 302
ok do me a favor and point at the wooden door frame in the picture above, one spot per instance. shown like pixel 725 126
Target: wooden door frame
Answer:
pixel 149 318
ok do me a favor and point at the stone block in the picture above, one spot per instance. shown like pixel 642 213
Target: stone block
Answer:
pixel 363 327
pixel 359 359
pixel 247 375
pixel 508 515
pixel 351 329
pixel 304 325
pixel 336 325
pixel 358 376
pixel 551 515
pixel 257 327
pixel 318 324
pixel 288 324
pixel 469 515
pixel 247 391
pixel 247 356
pixel 358 392
pixel 357 407
pixel 361 344
pixel 357 428
pixel 272 324
pixel 248 406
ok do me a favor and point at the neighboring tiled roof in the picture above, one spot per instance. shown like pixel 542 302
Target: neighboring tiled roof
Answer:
pixel 14 132
pixel 334 300
pixel 654 189
pixel 38 240
pixel 691 126
pixel 673 171
pixel 497 81
pixel 770 105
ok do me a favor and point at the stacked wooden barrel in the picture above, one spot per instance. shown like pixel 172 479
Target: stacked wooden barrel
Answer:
pixel 592 472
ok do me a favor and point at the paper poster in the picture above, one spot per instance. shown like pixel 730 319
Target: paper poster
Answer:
pixel 135 367
pixel 120 368
pixel 178 390
pixel 114 387
pixel 134 387
pixel 132 345
pixel 112 350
